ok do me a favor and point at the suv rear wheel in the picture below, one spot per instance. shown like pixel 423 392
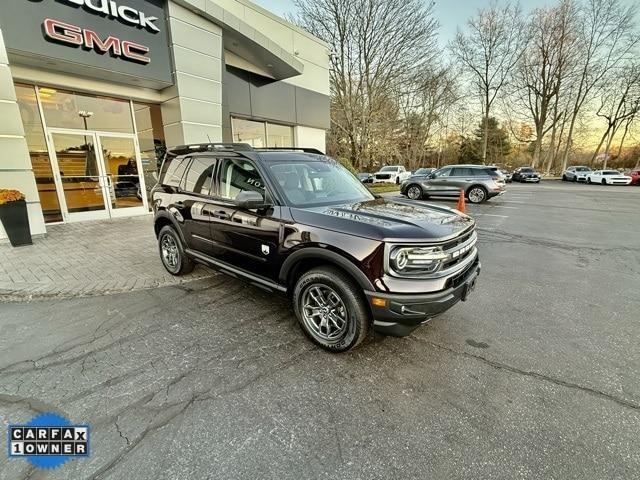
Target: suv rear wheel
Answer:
pixel 477 194
pixel 331 309
pixel 174 259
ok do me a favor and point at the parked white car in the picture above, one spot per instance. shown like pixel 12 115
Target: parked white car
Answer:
pixel 391 174
pixel 576 173
pixel 608 177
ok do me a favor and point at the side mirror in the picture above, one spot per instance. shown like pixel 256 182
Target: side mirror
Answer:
pixel 249 200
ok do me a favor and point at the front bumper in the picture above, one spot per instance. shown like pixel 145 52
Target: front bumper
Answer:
pixel 403 313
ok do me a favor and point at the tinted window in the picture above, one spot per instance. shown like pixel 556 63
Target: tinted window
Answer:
pixel 526 170
pixel 389 169
pixel 445 172
pixel 175 171
pixel 462 172
pixel 200 175
pixel 237 175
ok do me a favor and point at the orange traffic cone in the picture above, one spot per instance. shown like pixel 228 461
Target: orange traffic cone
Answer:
pixel 461 206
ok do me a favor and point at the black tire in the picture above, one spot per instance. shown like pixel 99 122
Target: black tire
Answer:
pixel 564 178
pixel 574 179
pixel 397 180
pixel 588 180
pixel 477 194
pixel 353 309
pixel 409 191
pixel 175 261
pixel 604 182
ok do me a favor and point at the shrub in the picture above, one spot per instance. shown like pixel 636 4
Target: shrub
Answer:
pixel 7 196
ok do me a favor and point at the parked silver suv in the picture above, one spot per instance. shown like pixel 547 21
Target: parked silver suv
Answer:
pixel 479 182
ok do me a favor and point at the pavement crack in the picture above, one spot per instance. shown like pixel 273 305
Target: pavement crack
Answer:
pixel 120 432
pixel 539 376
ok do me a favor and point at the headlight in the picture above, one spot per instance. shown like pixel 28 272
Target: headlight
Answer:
pixel 417 260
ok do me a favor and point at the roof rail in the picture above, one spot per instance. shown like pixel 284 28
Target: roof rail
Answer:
pixel 211 147
pixel 292 149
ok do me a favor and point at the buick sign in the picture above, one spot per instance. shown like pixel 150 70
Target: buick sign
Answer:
pixel 123 41
pixel 123 12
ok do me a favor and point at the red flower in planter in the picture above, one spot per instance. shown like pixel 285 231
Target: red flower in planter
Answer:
pixel 7 196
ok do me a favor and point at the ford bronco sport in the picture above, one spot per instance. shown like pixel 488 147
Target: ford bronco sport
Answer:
pixel 295 221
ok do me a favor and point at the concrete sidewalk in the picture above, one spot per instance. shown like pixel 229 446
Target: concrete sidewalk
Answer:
pixel 87 258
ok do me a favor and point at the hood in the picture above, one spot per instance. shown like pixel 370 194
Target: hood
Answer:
pixel 385 220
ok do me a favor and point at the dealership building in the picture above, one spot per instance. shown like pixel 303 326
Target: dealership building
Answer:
pixel 92 92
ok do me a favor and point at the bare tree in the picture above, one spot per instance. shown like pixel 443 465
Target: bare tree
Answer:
pixel 424 107
pixel 490 50
pixel 619 103
pixel 539 75
pixel 606 36
pixel 375 45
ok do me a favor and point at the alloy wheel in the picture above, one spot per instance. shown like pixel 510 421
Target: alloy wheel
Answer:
pixel 324 313
pixel 414 192
pixel 476 195
pixel 170 252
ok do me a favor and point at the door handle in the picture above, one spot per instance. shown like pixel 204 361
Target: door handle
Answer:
pixel 221 214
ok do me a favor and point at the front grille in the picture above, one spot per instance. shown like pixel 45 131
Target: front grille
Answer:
pixel 383 176
pixel 460 277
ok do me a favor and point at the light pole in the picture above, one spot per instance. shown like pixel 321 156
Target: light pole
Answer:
pixel 84 114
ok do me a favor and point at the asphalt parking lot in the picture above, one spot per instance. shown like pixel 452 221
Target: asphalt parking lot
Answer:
pixel 536 376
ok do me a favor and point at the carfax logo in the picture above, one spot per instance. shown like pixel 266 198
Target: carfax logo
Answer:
pixel 48 440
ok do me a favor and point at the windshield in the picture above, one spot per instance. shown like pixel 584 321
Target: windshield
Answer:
pixel 307 184
pixel 526 170
pixel 583 169
pixel 389 169
pixel 422 171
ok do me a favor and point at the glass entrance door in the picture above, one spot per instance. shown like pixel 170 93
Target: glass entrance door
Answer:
pixel 96 174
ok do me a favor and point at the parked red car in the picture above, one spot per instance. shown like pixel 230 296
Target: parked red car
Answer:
pixel 635 177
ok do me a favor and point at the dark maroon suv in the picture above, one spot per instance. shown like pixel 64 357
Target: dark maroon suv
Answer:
pixel 295 221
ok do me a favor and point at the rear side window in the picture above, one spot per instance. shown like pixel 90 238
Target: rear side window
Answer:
pixel 199 177
pixel 462 172
pixel 175 171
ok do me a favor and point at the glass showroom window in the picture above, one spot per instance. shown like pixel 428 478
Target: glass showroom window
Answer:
pixel 40 161
pixel 261 134
pixel 279 135
pixel 248 131
pixel 64 109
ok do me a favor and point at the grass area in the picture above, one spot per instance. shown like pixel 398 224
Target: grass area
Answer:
pixel 383 187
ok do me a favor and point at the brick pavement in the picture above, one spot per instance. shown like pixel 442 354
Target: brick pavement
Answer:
pixel 87 258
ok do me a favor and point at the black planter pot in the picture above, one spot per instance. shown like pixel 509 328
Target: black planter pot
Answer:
pixel 15 220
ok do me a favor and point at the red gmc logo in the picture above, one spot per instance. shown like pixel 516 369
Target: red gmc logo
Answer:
pixel 88 39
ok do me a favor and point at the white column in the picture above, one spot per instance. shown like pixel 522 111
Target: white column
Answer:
pixel 15 164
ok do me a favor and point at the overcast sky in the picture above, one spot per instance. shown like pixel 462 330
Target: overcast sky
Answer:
pixel 450 13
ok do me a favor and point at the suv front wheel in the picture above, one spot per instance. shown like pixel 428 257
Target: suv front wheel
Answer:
pixel 331 309
pixel 174 259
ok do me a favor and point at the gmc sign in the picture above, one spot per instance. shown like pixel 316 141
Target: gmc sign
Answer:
pixel 83 37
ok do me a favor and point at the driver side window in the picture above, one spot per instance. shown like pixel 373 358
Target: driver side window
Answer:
pixel 237 175
pixel 445 172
